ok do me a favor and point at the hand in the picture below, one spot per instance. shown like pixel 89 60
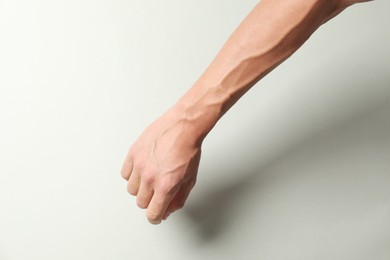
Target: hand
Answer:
pixel 162 165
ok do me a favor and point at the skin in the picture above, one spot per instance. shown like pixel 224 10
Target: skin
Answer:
pixel 161 166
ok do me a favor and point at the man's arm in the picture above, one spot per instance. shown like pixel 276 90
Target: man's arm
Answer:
pixel 161 166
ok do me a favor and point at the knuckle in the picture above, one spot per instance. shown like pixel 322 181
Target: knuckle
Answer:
pixel 139 161
pixel 138 165
pixel 148 177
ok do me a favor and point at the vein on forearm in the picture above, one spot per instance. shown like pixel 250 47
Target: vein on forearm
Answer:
pixel 270 34
pixel 261 54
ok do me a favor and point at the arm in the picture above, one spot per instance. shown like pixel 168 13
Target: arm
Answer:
pixel 161 166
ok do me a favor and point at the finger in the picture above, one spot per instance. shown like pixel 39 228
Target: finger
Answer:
pixel 158 205
pixel 127 168
pixel 180 199
pixel 144 195
pixel 134 183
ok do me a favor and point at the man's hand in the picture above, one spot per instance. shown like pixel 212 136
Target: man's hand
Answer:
pixel 162 165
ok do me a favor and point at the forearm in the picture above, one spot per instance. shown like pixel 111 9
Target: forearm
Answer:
pixel 272 32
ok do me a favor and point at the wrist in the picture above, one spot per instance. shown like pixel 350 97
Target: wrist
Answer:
pixel 199 110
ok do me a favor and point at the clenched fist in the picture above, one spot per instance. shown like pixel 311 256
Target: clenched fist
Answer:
pixel 161 166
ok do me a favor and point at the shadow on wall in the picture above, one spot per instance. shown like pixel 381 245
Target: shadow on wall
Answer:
pixel 213 212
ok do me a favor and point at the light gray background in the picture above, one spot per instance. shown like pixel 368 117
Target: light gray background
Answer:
pixel 298 169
